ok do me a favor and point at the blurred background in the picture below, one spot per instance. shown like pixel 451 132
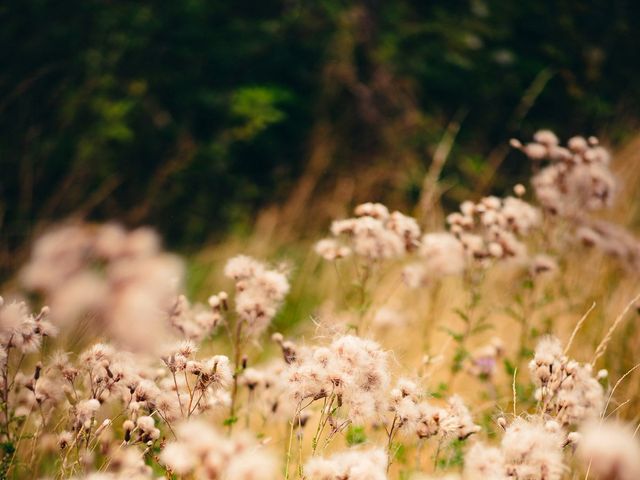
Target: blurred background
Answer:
pixel 209 118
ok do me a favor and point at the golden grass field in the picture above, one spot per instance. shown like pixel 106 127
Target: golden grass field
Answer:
pixel 472 334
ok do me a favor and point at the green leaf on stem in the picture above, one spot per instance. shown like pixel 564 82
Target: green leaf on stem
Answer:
pixel 230 421
pixel 355 435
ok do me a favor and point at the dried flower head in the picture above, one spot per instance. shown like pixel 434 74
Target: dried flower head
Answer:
pixel 566 389
pixel 441 254
pixel 609 450
pixel 354 464
pixel 531 451
pixel 259 292
pixel 351 370
pixel 493 227
pixel 202 452
pixel 121 278
pixel 374 234
pixel 577 177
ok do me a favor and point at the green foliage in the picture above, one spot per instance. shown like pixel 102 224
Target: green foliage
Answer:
pixel 355 435
pixel 230 421
pixel 458 358
pixel 441 390
pixel 454 455
pixel 399 452
pixel 7 450
pixel 509 367
pixel 258 108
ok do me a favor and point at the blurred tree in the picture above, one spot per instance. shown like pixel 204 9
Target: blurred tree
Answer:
pixel 193 115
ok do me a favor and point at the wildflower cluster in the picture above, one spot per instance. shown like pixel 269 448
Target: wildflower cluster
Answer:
pixel 576 181
pixel 491 228
pixel 414 415
pixel 577 177
pixel 566 389
pixel 259 292
pixel 441 254
pixel 120 280
pixel 196 322
pixel 353 465
pixel 351 373
pixel 201 451
pixel 529 449
pixel 610 449
pixel 22 330
pixel 121 375
pixel 373 234
pixel 479 233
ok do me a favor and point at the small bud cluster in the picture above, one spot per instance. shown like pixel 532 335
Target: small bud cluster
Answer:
pixel 566 389
pixel 210 377
pixel 21 329
pixel 577 181
pixel 415 416
pixel 259 292
pixel 374 234
pixel 196 321
pixel 577 177
pixel 493 227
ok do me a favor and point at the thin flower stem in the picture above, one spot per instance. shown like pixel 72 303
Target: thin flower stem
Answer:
pixel 290 444
pixel 195 407
pixel 390 435
pixel 192 396
pixel 436 456
pixel 514 391
pixel 468 329
pixel 362 289
pixel 237 355
pixel 527 311
pixel 314 442
pixel 334 432
pixel 299 435
pixel 5 393
pixel 247 419
pixel 578 327
pixel 434 295
pixel 175 383
pixel 326 419
pixel 602 347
